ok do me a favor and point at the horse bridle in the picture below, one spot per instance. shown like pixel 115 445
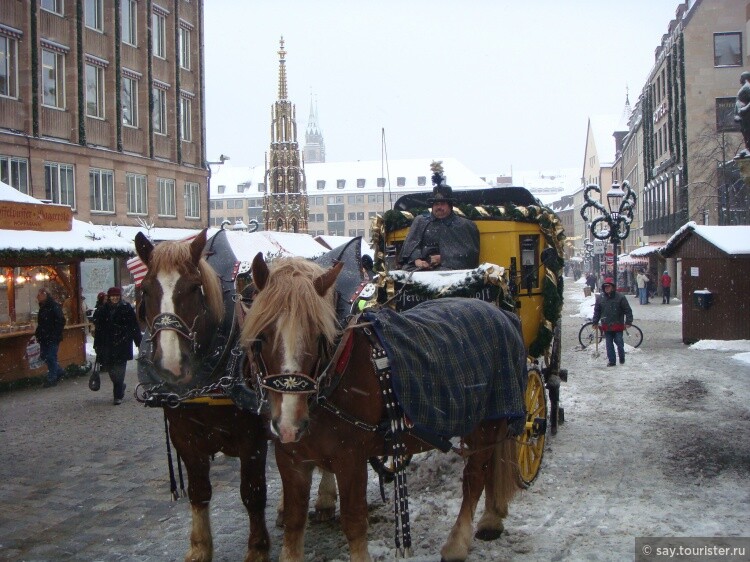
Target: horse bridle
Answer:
pixel 289 383
pixel 175 323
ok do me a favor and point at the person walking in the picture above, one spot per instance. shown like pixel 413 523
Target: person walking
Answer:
pixel 614 312
pixel 666 287
pixel 641 281
pixel 115 331
pixel 49 334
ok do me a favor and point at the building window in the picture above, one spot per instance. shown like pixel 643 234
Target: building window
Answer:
pixel 222 189
pixel 94 91
pixel 159 35
pixel 53 83
pixel 401 181
pixel 422 180
pixel 137 194
pixel 186 119
pixel 8 67
pixel 321 184
pixel 184 48
pixel 102 190
pixel 372 214
pixel 335 200
pixel 128 17
pixel 352 216
pixel 217 205
pixel 129 101
pixel 381 182
pixel 340 184
pixel 725 115
pixel 728 49
pixel 93 15
pixel 193 200
pixel 15 172
pixel 159 115
pixel 360 215
pixel 166 194
pixel 54 6
pixel 360 182
pixel 58 183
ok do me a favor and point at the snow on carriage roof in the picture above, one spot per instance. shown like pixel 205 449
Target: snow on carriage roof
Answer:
pixel 246 245
pixel 89 240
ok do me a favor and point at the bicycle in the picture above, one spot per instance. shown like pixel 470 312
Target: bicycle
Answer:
pixel 632 336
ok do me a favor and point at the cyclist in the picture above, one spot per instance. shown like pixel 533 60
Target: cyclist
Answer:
pixel 614 311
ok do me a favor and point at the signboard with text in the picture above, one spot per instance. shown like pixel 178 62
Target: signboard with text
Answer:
pixel 15 215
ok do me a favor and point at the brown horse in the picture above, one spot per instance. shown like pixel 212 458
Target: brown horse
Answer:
pixel 292 315
pixel 182 289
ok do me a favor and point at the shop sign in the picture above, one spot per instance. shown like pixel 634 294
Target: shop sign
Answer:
pixel 610 258
pixel 598 246
pixel 15 215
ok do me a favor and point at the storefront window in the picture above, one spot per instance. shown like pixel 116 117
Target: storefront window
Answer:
pixel 19 287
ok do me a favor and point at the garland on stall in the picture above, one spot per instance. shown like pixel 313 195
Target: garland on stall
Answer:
pixel 551 228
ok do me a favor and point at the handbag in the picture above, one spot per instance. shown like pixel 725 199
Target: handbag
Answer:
pixel 95 382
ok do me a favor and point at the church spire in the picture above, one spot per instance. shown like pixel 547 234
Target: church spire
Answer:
pixel 315 148
pixel 282 70
pixel 285 205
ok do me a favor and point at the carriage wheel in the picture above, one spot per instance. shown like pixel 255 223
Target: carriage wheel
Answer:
pixel 531 441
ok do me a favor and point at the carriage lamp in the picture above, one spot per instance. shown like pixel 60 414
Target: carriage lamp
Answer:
pixel 613 223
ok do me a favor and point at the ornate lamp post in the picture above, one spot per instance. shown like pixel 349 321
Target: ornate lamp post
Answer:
pixel 612 224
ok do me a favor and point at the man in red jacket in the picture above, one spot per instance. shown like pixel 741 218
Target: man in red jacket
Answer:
pixel 666 287
pixel 614 311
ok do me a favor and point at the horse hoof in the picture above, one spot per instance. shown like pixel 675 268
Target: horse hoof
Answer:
pixel 488 534
pixel 323 515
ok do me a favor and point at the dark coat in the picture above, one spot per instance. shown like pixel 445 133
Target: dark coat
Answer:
pixel 613 310
pixel 454 238
pixel 50 322
pixel 116 330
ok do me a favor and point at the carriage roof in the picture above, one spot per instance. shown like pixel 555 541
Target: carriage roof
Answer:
pixel 519 196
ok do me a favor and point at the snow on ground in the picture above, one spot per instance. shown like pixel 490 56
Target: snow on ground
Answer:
pixel 654 447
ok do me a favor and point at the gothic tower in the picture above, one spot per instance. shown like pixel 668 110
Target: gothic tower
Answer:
pixel 285 200
pixel 315 147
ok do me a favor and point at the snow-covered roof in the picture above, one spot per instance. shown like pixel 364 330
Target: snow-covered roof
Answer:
pixel 244 181
pixel 644 251
pixel 83 239
pixel 733 240
pixel 246 245
pixel 156 234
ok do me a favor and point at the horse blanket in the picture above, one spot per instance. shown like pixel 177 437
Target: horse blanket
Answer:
pixel 455 362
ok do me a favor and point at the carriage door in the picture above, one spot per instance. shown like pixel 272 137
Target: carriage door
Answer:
pixel 529 262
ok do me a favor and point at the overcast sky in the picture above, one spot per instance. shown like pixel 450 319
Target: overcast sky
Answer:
pixel 498 84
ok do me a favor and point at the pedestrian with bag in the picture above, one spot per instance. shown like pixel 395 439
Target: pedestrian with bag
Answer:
pixel 116 330
pixel 49 334
pixel 614 312
pixel 666 287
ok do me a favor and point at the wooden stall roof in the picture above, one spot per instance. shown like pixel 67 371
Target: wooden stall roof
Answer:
pixel 59 236
pixel 727 241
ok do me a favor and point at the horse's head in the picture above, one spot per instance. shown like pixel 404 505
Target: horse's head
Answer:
pixel 183 305
pixel 288 328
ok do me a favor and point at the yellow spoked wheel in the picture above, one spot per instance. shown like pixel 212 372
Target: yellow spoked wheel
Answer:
pixel 531 441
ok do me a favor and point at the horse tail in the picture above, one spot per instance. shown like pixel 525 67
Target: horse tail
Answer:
pixel 505 470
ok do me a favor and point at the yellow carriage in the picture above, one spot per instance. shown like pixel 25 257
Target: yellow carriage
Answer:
pixel 525 239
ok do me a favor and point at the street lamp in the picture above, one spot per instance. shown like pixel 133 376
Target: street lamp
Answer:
pixel 612 224
pixel 222 158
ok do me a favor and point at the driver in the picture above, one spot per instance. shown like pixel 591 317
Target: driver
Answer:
pixel 442 239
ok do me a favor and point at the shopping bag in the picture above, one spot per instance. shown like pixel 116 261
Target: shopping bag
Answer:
pixel 95 382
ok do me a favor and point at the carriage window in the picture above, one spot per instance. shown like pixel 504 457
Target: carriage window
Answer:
pixel 529 244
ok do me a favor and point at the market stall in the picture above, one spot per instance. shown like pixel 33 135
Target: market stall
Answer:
pixel 42 245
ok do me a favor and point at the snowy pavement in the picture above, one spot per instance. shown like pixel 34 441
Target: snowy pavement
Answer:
pixel 658 446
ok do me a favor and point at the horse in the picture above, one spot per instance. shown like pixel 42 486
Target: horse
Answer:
pixel 185 304
pixel 287 331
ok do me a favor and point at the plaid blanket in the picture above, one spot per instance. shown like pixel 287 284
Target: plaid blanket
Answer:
pixel 455 363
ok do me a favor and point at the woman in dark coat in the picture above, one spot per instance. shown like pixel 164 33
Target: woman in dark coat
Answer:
pixel 116 330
